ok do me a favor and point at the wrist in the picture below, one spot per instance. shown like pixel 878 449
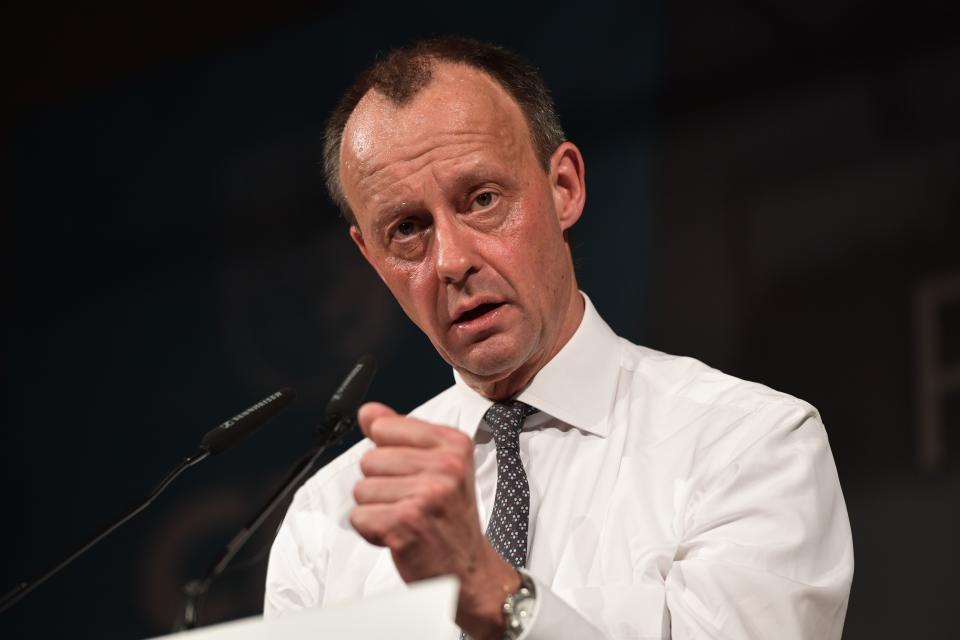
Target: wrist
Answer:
pixel 519 608
pixel 483 592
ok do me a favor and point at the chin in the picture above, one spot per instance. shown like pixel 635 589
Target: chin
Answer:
pixel 490 363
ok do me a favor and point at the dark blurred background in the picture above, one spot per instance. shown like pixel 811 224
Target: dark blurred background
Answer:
pixel 773 188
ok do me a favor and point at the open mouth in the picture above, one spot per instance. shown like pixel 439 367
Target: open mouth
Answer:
pixel 477 311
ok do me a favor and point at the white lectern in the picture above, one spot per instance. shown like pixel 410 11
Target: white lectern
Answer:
pixel 424 610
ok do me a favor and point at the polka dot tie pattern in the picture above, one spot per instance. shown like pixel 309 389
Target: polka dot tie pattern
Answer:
pixel 509 522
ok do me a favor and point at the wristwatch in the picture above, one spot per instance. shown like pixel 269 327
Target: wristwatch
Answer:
pixel 518 608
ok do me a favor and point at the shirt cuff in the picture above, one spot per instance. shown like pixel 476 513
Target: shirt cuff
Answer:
pixel 554 619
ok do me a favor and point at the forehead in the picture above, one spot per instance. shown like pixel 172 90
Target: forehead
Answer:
pixel 458 101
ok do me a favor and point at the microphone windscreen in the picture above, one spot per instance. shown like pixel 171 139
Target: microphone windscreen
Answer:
pixel 347 398
pixel 242 425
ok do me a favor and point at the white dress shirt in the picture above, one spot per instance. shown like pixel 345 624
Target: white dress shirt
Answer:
pixel 667 500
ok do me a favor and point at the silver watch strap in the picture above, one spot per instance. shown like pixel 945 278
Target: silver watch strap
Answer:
pixel 518 608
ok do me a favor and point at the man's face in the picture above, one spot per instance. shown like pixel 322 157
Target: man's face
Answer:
pixel 461 222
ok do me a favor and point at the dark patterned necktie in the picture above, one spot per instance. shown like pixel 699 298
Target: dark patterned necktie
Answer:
pixel 509 522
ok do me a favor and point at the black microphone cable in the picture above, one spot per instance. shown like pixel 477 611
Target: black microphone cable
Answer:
pixel 217 440
pixel 339 418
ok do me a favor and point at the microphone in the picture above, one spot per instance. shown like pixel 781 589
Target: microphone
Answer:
pixel 339 417
pixel 215 441
pixel 241 426
pixel 341 410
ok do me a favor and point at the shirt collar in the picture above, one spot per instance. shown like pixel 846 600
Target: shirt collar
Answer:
pixel 576 387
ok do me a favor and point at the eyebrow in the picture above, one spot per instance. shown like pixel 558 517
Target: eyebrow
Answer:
pixel 473 177
pixel 486 173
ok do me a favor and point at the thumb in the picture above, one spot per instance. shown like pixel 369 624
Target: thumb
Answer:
pixel 371 411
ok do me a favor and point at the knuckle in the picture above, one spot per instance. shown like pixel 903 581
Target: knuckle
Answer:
pixel 359 492
pixel 358 520
pixel 375 428
pixel 437 491
pixel 369 528
pixel 452 465
pixel 367 461
pixel 397 542
pixel 461 441
pixel 409 516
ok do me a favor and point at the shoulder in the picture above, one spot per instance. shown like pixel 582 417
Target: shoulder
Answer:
pixel 690 379
pixel 683 396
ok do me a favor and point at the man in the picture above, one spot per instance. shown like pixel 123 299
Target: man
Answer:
pixel 624 493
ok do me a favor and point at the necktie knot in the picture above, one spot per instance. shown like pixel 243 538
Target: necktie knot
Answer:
pixel 506 421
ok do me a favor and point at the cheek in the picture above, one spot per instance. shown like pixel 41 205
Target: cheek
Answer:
pixel 411 284
pixel 538 239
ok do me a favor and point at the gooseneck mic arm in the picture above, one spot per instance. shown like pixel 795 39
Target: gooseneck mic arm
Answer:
pixel 218 439
pixel 339 418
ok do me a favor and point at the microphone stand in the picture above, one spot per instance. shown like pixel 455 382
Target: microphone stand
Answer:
pixel 218 439
pixel 195 590
pixel 24 588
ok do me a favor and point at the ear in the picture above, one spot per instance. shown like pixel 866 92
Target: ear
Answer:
pixel 568 183
pixel 357 238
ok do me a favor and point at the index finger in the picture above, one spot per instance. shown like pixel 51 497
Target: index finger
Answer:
pixel 370 411
pixel 401 431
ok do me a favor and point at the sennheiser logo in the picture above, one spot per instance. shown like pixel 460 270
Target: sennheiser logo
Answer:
pixel 240 416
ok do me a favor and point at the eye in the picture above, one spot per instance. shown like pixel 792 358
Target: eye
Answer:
pixel 484 200
pixel 406 228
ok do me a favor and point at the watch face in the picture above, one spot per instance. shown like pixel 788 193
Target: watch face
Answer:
pixel 523 607
pixel 519 609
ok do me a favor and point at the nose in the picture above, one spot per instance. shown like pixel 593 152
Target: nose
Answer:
pixel 456 255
